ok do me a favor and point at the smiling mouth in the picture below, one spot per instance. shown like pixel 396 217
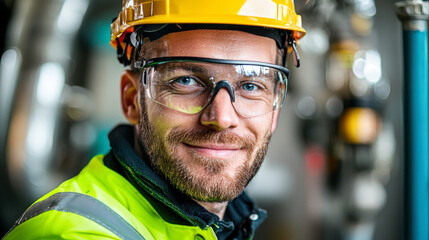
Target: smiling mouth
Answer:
pixel 218 151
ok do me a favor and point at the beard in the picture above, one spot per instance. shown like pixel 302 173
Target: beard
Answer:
pixel 213 184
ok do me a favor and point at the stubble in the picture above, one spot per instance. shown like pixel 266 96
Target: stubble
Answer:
pixel 212 186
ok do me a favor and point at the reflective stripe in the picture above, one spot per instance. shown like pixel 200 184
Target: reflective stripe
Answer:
pixel 85 206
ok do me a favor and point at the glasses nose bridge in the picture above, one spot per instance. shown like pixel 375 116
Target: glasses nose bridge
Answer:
pixel 218 86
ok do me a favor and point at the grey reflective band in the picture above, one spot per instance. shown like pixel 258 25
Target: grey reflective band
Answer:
pixel 85 206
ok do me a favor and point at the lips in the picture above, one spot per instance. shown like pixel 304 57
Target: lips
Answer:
pixel 207 143
pixel 218 151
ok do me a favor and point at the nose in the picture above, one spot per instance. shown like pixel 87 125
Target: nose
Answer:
pixel 220 114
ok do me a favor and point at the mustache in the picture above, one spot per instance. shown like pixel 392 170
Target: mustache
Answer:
pixel 210 136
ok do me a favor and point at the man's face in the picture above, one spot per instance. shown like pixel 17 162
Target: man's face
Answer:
pixel 210 156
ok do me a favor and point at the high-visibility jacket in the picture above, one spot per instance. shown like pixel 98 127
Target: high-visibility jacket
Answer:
pixel 99 204
pixel 128 201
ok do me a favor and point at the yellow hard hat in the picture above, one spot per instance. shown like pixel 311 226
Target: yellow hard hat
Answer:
pixel 277 14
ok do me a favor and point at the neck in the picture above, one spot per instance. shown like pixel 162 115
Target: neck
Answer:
pixel 138 147
pixel 217 208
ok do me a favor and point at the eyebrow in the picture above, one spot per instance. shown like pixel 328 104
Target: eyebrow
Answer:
pixel 185 66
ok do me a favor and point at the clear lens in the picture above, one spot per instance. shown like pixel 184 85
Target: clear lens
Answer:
pixel 188 86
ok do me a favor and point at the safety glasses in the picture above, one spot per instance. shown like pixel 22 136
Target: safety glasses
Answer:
pixel 190 84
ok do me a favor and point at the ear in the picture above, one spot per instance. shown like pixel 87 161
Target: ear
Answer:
pixel 276 114
pixel 129 96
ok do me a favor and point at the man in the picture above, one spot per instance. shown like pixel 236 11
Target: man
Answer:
pixel 203 96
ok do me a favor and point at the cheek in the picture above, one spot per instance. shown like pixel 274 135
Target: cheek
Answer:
pixel 260 126
pixel 163 120
pixel 158 119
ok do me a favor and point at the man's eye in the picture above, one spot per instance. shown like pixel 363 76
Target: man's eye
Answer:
pixel 185 81
pixel 186 84
pixel 249 87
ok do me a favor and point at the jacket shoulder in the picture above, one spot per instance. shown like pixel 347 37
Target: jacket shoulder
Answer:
pixel 69 211
pixel 59 225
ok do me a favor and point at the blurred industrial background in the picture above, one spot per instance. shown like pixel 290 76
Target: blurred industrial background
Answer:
pixel 334 167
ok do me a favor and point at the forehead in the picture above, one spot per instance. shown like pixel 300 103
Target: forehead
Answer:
pixel 221 44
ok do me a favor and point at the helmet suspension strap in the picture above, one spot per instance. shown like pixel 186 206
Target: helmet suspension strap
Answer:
pixel 292 43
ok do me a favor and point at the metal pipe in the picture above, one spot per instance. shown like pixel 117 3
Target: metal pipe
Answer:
pixel 414 16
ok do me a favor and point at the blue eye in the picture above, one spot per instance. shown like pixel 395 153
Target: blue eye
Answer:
pixel 249 87
pixel 186 84
pixel 185 81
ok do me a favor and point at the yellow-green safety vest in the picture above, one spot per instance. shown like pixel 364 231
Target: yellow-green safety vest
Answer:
pixel 98 204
